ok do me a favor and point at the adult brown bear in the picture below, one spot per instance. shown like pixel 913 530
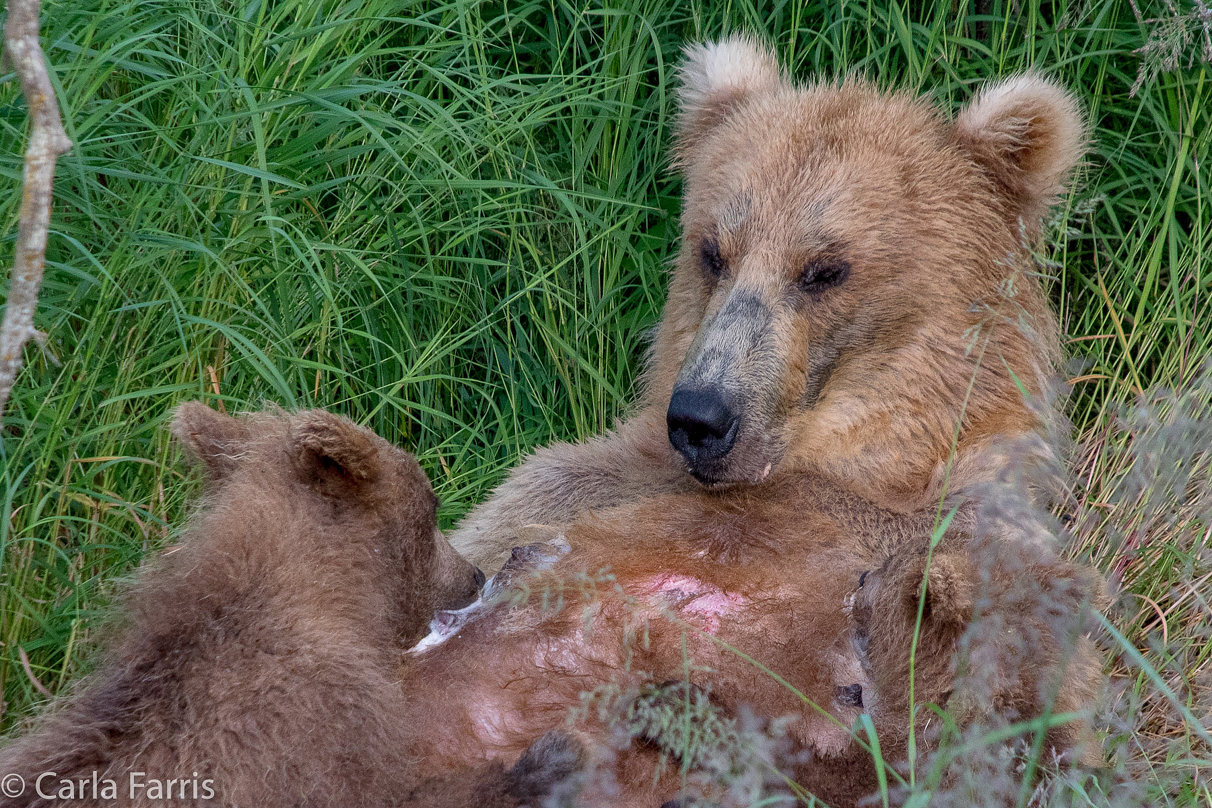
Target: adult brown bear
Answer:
pixel 854 298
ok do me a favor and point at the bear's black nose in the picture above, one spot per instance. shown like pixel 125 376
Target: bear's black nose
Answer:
pixel 480 579
pixel 702 427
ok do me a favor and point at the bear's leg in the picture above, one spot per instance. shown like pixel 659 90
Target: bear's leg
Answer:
pixel 557 483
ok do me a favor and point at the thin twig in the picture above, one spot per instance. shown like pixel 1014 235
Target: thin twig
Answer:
pixel 47 141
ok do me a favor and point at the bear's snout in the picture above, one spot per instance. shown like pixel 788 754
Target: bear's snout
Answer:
pixel 702 427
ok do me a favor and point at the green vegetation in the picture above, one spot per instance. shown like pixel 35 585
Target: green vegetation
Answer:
pixel 450 221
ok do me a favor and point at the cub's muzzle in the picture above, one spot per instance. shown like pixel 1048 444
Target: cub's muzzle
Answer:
pixel 702 427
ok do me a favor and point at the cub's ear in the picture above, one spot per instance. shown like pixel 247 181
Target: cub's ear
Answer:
pixel 715 77
pixel 1027 134
pixel 333 454
pixel 210 439
pixel 949 591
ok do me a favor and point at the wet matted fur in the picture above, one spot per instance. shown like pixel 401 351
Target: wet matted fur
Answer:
pixel 665 589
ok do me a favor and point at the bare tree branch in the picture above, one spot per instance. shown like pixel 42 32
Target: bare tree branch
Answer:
pixel 46 142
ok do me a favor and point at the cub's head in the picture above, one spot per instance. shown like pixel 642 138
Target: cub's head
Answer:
pixel 318 474
pixel 1000 637
pixel 884 613
pixel 846 262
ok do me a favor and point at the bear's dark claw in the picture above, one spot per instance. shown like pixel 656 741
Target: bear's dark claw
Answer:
pixel 548 768
pixel 849 695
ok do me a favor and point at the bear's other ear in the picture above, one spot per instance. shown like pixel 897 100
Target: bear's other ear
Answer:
pixel 333 454
pixel 210 438
pixel 715 76
pixel 949 591
pixel 1027 134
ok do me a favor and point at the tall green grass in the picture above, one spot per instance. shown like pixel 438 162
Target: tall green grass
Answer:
pixel 450 221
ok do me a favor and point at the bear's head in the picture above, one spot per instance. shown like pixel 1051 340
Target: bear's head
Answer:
pixel 312 473
pixel 855 283
pixel 988 633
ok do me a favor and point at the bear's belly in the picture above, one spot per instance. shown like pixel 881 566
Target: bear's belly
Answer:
pixel 501 680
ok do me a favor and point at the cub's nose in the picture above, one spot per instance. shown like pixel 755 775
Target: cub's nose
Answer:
pixel 702 427
pixel 479 578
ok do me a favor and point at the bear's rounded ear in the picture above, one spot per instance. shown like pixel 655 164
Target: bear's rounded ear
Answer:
pixel 1027 134
pixel 715 76
pixel 949 591
pixel 333 454
pixel 210 439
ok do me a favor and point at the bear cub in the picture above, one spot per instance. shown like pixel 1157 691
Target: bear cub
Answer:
pixel 994 632
pixel 260 658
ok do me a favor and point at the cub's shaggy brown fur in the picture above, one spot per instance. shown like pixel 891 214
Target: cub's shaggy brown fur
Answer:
pixel 1029 656
pixel 767 572
pixel 261 662
pixel 854 297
